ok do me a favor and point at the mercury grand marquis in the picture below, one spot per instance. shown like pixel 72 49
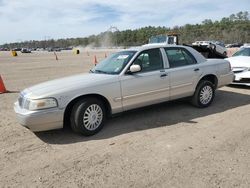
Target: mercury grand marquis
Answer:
pixel 126 80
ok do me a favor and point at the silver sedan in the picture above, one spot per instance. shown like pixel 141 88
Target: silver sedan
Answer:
pixel 125 80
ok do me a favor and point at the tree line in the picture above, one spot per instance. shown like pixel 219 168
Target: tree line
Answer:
pixel 232 29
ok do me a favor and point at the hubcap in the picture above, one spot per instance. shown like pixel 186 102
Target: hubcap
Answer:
pixel 92 117
pixel 206 94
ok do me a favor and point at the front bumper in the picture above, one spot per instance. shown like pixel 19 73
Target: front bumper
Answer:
pixel 40 120
pixel 242 78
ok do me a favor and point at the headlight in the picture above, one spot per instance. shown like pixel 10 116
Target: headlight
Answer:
pixel 39 104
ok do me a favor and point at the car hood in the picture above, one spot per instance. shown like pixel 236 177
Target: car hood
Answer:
pixel 67 84
pixel 239 61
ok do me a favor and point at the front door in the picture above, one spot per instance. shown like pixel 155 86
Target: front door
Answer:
pixel 150 85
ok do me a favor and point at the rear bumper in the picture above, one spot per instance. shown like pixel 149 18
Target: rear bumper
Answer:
pixel 226 79
pixel 41 120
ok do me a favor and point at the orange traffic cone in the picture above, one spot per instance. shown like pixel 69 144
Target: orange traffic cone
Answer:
pixel 2 87
pixel 56 55
pixel 95 61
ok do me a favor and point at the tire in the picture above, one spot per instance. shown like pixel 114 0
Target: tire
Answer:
pixel 88 116
pixel 204 94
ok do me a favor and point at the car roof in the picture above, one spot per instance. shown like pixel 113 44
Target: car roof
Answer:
pixel 156 45
pixel 197 55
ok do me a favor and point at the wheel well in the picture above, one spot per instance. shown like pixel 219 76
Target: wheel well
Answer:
pixel 66 117
pixel 212 78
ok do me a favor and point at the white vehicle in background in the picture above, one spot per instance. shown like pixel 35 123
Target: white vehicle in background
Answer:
pixel 246 45
pixel 240 63
pixel 218 46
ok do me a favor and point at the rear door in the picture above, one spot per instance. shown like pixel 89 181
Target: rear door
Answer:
pixel 183 72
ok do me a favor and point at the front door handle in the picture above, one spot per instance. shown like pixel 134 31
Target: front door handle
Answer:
pixel 197 69
pixel 163 75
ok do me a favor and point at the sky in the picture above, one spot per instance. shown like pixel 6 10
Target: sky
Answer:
pixel 22 20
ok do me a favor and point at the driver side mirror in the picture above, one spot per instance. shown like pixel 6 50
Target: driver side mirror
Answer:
pixel 134 68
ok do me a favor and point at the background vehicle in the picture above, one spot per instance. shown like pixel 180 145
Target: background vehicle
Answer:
pixel 209 49
pixel 125 80
pixel 240 62
pixel 55 49
pixel 17 49
pixel 25 50
pixel 4 49
pixel 219 47
pixel 234 45
pixel 165 39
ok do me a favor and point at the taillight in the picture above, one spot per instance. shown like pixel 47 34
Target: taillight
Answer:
pixel 230 68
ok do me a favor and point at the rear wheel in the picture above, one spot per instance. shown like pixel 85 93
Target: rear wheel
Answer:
pixel 88 116
pixel 204 94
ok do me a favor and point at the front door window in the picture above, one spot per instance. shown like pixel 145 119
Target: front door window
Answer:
pixel 149 60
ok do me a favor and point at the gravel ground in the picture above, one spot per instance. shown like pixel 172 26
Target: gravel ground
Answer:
pixel 168 145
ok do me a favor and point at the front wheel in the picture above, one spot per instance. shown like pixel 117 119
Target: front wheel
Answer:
pixel 204 94
pixel 88 116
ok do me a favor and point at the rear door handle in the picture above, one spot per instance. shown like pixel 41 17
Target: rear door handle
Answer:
pixel 197 69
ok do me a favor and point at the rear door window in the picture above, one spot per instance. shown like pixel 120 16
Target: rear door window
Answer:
pixel 178 57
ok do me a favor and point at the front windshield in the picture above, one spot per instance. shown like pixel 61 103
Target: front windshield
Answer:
pixel 242 52
pixel 114 63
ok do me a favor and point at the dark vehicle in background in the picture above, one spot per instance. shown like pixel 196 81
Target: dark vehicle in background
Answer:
pixel 25 50
pixel 54 49
pixel 234 45
pixel 217 46
pixel 17 49
pixel 4 49
pixel 67 48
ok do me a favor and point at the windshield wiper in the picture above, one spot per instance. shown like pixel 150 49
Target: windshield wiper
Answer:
pixel 101 71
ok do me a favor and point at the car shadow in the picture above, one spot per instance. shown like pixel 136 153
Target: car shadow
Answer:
pixel 11 92
pixel 164 114
pixel 239 86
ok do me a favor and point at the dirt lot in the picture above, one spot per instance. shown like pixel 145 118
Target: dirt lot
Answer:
pixel 168 145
